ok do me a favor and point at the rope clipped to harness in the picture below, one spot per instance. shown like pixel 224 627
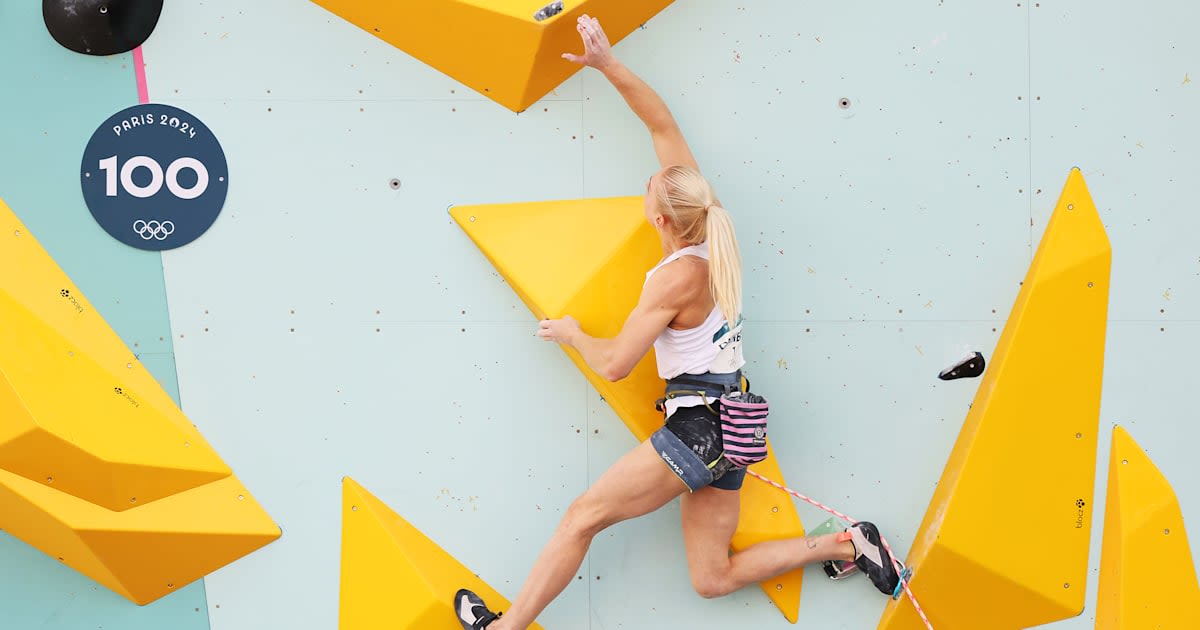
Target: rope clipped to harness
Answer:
pixel 904 571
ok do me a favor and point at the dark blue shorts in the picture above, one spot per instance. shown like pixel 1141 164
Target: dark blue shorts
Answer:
pixel 690 445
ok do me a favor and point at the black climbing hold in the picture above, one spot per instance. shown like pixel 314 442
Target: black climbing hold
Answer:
pixel 101 27
pixel 970 367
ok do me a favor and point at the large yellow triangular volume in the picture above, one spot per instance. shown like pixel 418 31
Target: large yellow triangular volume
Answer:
pixel 78 412
pixel 495 47
pixel 144 553
pixel 588 259
pixel 1147 578
pixel 98 467
pixel 393 576
pixel 1027 450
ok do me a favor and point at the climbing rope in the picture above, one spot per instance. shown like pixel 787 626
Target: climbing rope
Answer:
pixel 904 572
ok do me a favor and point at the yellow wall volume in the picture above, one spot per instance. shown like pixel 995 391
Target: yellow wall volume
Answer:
pixel 1147 577
pixel 1026 452
pixel 496 47
pixel 393 576
pixel 98 467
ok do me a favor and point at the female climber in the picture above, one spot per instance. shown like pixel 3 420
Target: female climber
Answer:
pixel 690 312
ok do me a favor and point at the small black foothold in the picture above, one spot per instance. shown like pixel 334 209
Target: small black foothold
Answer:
pixel 969 367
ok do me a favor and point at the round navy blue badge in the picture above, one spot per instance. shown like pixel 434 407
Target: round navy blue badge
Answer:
pixel 154 177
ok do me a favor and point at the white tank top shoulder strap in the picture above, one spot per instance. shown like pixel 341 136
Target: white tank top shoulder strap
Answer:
pixel 699 251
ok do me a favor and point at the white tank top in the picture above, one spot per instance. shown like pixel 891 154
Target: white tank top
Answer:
pixel 709 347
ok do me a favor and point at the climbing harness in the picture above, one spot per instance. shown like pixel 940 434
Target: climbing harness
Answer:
pixel 742 415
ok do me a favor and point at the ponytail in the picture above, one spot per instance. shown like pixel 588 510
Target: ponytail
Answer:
pixel 688 200
pixel 725 264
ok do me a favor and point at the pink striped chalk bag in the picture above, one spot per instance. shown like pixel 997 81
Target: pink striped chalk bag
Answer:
pixel 744 428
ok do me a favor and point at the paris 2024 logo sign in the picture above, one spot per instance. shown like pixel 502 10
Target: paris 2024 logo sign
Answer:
pixel 154 177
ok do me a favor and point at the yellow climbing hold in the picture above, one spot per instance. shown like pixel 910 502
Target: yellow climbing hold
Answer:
pixel 496 47
pixel 98 467
pixel 1027 450
pixel 588 259
pixel 78 411
pixel 393 576
pixel 1147 577
pixel 142 553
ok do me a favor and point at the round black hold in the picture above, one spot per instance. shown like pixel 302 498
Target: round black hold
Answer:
pixel 844 103
pixel 101 27
pixel 395 184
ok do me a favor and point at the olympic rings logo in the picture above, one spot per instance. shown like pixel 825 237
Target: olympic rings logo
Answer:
pixel 153 229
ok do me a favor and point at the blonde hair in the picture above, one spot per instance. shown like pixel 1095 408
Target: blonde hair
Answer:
pixel 689 203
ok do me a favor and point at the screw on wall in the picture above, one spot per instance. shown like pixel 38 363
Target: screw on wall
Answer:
pixel 847 108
